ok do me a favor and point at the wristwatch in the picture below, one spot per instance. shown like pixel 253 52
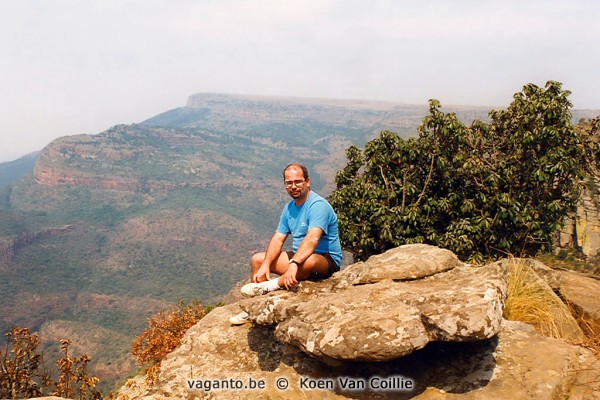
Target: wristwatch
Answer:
pixel 292 261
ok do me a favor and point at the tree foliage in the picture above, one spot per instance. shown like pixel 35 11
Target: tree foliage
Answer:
pixel 590 134
pixel 481 191
pixel 22 373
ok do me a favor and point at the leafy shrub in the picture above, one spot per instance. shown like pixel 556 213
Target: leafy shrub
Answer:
pixel 23 374
pixel 481 191
pixel 74 381
pixel 164 333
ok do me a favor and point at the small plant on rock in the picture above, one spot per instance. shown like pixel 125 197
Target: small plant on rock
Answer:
pixel 164 333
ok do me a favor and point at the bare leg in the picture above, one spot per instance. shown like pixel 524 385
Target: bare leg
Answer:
pixel 315 264
pixel 279 266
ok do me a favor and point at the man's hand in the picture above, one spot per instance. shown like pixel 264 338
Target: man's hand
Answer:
pixel 271 256
pixel 289 277
pixel 263 273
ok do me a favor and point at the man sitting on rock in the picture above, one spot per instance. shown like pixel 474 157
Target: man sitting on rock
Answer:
pixel 317 252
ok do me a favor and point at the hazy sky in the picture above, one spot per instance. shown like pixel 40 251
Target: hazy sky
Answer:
pixel 82 66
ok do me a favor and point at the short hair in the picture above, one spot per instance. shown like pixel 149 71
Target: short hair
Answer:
pixel 302 167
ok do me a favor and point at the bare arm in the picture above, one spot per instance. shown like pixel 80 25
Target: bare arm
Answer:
pixel 306 249
pixel 308 245
pixel 273 252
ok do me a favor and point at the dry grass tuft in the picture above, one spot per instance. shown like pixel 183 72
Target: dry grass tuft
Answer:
pixel 592 333
pixel 531 300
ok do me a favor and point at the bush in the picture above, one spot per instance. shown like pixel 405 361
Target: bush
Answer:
pixel 23 374
pixel 74 381
pixel 481 191
pixel 164 333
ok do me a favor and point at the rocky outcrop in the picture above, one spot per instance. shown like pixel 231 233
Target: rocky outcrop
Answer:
pixel 404 263
pixel 516 364
pixel 395 313
pixel 410 333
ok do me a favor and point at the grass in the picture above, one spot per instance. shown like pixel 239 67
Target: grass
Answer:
pixel 532 301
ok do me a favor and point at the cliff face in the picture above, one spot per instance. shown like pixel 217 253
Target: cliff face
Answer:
pixel 131 158
pixel 10 246
pixel 582 230
pixel 47 174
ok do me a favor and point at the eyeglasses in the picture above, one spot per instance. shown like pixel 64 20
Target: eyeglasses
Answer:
pixel 289 184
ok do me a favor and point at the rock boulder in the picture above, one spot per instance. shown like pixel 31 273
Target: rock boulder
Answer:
pixel 343 318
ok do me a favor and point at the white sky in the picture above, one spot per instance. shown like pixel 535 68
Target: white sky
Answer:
pixel 82 66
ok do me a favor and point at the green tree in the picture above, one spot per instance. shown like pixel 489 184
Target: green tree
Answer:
pixel 481 191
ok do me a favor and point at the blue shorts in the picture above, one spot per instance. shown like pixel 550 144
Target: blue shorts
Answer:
pixel 333 267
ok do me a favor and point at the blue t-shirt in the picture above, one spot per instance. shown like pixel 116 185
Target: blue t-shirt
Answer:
pixel 315 212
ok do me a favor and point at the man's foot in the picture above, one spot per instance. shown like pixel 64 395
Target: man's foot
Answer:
pixel 254 289
pixel 239 319
pixel 258 289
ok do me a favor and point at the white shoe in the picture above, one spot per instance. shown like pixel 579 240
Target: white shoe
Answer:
pixel 254 289
pixel 240 319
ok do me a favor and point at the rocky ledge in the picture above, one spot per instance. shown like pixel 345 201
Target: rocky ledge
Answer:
pixel 414 322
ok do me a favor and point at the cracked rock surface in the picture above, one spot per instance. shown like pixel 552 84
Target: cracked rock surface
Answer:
pixel 387 307
pixel 350 327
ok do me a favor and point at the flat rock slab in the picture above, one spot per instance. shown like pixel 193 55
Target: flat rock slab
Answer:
pixel 339 319
pixel 411 261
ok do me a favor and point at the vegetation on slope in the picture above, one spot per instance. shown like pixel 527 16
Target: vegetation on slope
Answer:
pixel 163 334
